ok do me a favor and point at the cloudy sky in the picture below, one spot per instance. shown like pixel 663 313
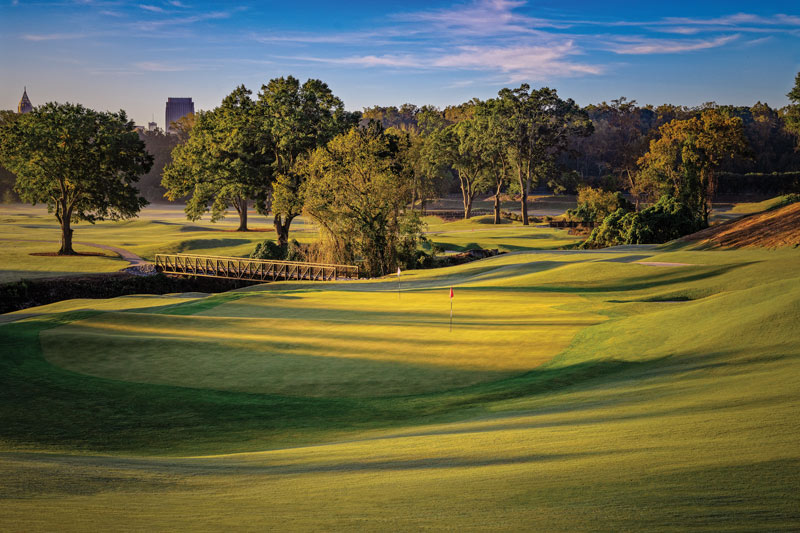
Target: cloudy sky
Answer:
pixel 112 55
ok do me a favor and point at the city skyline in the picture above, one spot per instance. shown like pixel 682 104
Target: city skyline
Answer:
pixel 132 56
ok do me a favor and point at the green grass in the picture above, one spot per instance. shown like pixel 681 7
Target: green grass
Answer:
pixel 481 232
pixel 164 229
pixel 669 402
pixel 748 208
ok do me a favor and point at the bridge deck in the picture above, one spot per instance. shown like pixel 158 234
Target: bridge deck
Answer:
pixel 251 269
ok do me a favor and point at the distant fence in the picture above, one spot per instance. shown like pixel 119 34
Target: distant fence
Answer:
pixel 251 269
pixel 571 224
pixel 456 214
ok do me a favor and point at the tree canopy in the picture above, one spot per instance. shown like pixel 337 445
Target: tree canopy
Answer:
pixel 684 160
pixel 294 119
pixel 357 191
pixel 83 164
pixel 793 111
pixel 222 163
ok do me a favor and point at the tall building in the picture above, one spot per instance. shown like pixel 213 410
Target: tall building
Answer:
pixel 152 126
pixel 25 105
pixel 177 108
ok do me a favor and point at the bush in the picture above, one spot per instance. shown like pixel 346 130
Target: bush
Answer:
pixel 596 204
pixel 268 250
pixel 663 221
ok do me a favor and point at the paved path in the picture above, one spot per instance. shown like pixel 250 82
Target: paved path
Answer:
pixel 127 255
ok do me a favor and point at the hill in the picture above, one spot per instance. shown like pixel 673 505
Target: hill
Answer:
pixel 774 228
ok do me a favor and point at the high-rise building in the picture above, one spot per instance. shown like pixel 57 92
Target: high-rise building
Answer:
pixel 152 126
pixel 25 105
pixel 177 108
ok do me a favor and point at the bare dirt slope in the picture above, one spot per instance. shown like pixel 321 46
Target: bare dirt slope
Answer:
pixel 770 229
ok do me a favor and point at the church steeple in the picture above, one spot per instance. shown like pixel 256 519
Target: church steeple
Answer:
pixel 25 105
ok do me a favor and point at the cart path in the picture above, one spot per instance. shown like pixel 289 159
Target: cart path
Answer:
pixel 127 255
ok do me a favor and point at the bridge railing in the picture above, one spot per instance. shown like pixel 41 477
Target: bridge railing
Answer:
pixel 213 266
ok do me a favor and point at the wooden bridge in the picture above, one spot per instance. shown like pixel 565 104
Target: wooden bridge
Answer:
pixel 251 269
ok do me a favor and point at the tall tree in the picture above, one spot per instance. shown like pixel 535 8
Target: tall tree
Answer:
pixel 494 147
pixel 356 191
pixel 460 146
pixel 539 126
pixel 686 156
pixel 83 164
pixel 793 111
pixel 294 120
pixel 221 165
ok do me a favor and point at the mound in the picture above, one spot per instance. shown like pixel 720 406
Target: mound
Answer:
pixel 770 229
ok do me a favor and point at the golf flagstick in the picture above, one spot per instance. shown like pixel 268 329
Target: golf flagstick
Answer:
pixel 398 283
pixel 451 308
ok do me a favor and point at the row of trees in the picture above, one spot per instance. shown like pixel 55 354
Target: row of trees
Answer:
pixel 293 148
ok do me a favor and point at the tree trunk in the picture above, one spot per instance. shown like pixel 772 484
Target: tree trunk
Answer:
pixel 66 231
pixel 524 195
pixel 241 208
pixel 466 194
pixel 282 229
pixel 497 203
pixel 66 238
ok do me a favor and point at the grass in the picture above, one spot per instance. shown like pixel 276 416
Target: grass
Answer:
pixel 632 398
pixel 748 208
pixel 164 229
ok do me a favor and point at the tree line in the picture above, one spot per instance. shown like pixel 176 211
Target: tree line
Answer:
pixel 293 149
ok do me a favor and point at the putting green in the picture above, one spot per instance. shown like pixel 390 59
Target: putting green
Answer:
pixel 355 343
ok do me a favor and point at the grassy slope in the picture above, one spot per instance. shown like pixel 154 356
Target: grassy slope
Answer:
pixel 678 412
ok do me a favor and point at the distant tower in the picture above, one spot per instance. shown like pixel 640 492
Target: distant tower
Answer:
pixel 152 126
pixel 25 105
pixel 177 108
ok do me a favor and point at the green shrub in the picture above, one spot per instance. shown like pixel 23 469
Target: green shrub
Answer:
pixel 268 249
pixel 663 221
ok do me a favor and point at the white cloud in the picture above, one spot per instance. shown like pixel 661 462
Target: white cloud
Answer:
pixel 524 62
pixel 52 36
pixel 154 9
pixel 666 46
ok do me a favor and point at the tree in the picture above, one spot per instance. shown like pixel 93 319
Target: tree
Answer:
pixel 295 119
pixel 460 147
pixel 493 146
pixel 792 117
pixel 538 125
pixel 81 163
pixel 685 158
pixel 221 164
pixel 356 191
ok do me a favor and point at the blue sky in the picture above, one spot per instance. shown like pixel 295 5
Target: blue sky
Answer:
pixel 112 55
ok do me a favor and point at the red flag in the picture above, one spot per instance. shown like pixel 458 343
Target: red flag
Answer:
pixel 451 293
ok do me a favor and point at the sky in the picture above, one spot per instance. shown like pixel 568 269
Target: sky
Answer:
pixel 111 55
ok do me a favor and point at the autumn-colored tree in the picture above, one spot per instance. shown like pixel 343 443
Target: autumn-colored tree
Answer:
pixel 685 158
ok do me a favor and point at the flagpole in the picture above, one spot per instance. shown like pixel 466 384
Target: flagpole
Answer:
pixel 451 309
pixel 398 283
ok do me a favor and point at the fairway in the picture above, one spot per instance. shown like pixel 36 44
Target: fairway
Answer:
pixel 578 390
